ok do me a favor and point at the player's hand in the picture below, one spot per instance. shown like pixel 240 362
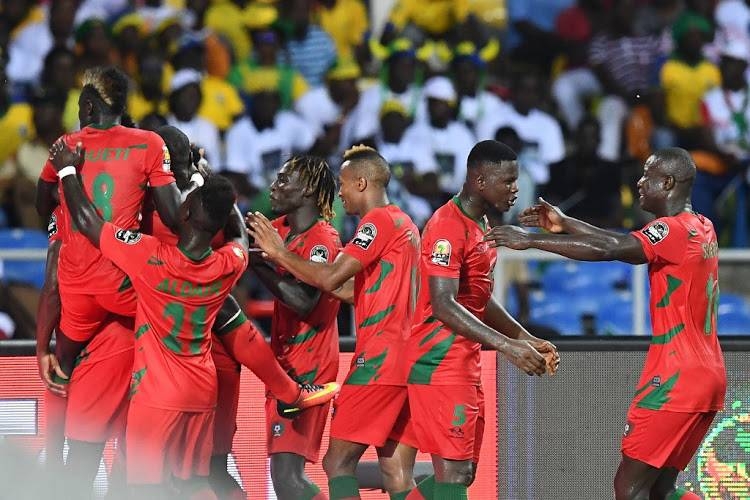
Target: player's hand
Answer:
pixel 200 161
pixel 543 215
pixel 48 366
pixel 61 156
pixel 508 236
pixel 267 239
pixel 522 354
pixel 549 352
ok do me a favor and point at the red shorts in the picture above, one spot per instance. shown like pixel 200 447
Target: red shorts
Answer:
pixel 447 421
pixel 98 390
pixel 161 443
pixel 301 436
pixel 82 315
pixel 664 438
pixel 370 414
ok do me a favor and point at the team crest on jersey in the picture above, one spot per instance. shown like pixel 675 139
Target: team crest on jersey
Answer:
pixel 52 226
pixel 166 163
pixel 238 252
pixel 277 429
pixel 656 232
pixel 319 253
pixel 441 253
pixel 365 236
pixel 127 236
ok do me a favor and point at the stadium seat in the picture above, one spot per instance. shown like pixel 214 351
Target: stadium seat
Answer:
pixel 734 322
pixel 23 271
pixel 12 239
pixel 732 302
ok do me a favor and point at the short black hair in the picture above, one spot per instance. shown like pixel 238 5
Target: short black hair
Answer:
pixel 489 152
pixel 369 164
pixel 217 198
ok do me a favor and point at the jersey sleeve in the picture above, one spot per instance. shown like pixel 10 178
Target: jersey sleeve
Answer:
pixel 129 250
pixel 234 258
pixel 373 234
pixel 158 163
pixel 48 173
pixel 443 244
pixel 322 246
pixel 663 240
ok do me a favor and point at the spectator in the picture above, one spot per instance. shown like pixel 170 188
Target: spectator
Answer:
pixel 28 42
pixel 531 36
pixel 469 67
pixel 127 33
pixel 726 135
pixel 448 140
pixel 420 19
pixel 346 22
pixel 15 121
pixel 260 142
pixel 184 102
pixel 310 49
pixel 60 24
pixel 152 122
pixel 327 109
pixel 154 13
pixel 685 78
pixel 527 188
pixel 583 184
pixel 150 94
pixel 59 77
pixel 26 165
pixel 221 103
pixel 623 63
pixel 576 83
pixel 227 20
pixel 264 67
pixel 399 83
pixel 541 134
pixel 93 45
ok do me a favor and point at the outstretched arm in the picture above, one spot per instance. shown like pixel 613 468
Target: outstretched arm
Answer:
pixel 82 211
pixel 326 277
pixel 443 292
pixel 299 297
pixel 552 219
pixel 590 247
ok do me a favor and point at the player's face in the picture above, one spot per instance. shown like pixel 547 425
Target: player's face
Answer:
pixel 348 188
pixel 650 185
pixel 287 192
pixel 501 185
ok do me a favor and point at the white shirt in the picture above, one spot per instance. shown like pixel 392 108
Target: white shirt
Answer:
pixel 204 134
pixel 367 112
pixel 318 109
pixel 541 134
pixel 473 110
pixel 449 147
pixel 26 52
pixel 260 154
pixel 719 106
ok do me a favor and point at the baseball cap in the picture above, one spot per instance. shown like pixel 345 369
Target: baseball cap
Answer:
pixel 440 87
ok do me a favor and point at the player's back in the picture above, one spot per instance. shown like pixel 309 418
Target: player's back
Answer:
pixel 685 359
pixel 387 245
pixel 119 163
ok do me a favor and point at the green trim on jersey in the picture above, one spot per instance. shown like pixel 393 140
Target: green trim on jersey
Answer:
pixel 136 381
pixel 304 336
pixel 141 331
pixel 125 285
pixel 428 363
pixel 385 269
pixel 104 126
pixel 232 325
pixel 672 285
pixel 430 335
pixel 377 317
pixel 482 222
pixel 667 337
pixel 657 398
pixel 368 372
pixel 202 256
pixel 307 377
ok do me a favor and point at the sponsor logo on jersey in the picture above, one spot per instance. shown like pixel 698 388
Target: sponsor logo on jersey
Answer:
pixel 656 381
pixel 52 226
pixel 456 432
pixel 166 163
pixel 319 253
pixel 127 236
pixel 628 428
pixel 441 253
pixel 656 232
pixel 365 236
pixel 238 252
pixel 277 429
pixel 360 362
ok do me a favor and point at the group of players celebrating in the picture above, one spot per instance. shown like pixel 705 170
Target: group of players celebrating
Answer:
pixel 146 246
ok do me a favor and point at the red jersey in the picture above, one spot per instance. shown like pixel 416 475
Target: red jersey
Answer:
pixel 385 292
pixel 452 247
pixel 119 164
pixel 308 348
pixel 684 370
pixel 178 299
pixel 152 224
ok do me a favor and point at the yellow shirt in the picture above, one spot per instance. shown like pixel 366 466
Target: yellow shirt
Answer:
pixel 684 86
pixel 250 79
pixel 70 112
pixel 225 18
pixel 434 16
pixel 139 106
pixel 347 23
pixel 221 103
pixel 15 127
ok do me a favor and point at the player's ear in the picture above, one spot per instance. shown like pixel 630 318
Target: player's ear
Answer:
pixel 361 184
pixel 668 182
pixel 480 182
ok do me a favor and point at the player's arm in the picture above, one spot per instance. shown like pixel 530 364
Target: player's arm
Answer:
pixel 46 198
pixel 235 229
pixel 589 247
pixel 326 277
pixel 445 307
pixel 167 203
pixel 299 297
pixel 345 293
pixel 47 318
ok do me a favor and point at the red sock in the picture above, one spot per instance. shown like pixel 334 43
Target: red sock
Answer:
pixel 55 434
pixel 681 494
pixel 320 496
pixel 414 494
pixel 249 348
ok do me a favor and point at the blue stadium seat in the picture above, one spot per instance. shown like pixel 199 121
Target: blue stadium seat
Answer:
pixel 23 271
pixel 569 276
pixel 735 322
pixel 732 302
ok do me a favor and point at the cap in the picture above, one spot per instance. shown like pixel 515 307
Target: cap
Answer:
pixel 184 77
pixel 393 106
pixel 440 87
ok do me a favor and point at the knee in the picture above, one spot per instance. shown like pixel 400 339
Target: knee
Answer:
pixel 459 473
pixel 627 490
pixel 335 464
pixel 396 477
pixel 284 476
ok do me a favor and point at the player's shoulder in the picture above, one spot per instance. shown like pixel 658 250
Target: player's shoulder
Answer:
pixel 446 219
pixel 322 230
pixel 668 228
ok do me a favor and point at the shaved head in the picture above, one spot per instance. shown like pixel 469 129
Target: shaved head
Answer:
pixel 367 163
pixel 675 162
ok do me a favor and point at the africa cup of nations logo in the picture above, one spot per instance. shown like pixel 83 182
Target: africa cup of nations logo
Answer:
pixel 722 464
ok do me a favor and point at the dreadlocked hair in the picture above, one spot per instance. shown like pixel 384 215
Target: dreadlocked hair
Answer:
pixel 316 176
pixel 110 85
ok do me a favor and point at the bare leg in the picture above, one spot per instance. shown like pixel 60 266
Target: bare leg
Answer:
pixel 634 479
